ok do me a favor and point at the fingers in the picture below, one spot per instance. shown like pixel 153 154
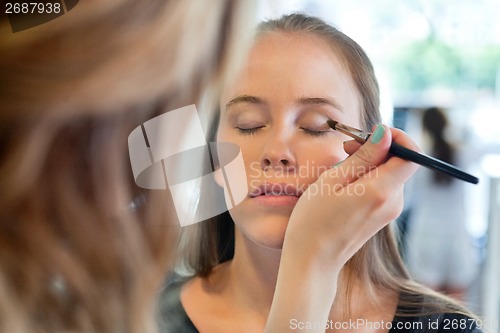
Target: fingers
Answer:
pixel 364 158
pixel 352 201
pixel 396 169
pixel 351 146
pixel 364 152
pixel 403 139
pixel 398 136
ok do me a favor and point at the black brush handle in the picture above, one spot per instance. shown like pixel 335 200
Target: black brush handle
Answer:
pixel 431 163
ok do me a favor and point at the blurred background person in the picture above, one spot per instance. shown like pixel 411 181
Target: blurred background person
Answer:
pixel 440 251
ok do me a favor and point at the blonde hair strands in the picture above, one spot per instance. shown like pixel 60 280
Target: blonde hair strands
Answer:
pixel 74 255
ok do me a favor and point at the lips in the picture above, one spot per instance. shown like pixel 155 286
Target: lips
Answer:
pixel 278 189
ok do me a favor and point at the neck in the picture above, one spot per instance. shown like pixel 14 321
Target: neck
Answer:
pixel 253 274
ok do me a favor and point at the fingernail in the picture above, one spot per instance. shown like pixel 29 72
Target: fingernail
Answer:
pixel 378 134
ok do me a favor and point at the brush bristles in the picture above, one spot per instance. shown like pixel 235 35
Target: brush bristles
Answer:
pixel 332 124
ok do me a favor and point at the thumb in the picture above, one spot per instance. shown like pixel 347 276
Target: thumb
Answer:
pixel 371 154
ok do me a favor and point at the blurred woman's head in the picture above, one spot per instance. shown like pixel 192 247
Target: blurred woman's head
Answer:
pixel 434 123
pixel 77 250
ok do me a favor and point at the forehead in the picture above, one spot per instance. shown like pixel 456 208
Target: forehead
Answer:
pixel 297 63
pixel 299 45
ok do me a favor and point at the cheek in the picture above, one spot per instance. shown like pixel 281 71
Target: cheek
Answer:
pixel 252 159
pixel 315 160
pixel 222 133
pixel 326 152
pixel 249 147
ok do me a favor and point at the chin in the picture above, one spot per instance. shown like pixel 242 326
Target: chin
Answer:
pixel 274 242
pixel 265 232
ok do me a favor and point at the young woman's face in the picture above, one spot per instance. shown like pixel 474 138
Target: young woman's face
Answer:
pixel 276 111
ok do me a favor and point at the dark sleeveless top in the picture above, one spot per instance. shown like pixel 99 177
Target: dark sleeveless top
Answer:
pixel 173 318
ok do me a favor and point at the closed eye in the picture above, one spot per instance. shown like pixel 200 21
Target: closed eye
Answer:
pixel 249 131
pixel 315 132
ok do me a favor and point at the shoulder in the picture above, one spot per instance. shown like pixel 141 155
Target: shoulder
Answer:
pixel 171 314
pixel 437 323
pixel 430 313
pixel 457 322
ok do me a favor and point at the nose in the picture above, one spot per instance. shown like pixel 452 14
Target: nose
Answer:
pixel 277 153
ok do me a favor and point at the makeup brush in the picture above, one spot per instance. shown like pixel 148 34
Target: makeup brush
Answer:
pixel 406 154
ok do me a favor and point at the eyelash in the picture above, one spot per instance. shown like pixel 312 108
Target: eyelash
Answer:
pixel 249 131
pixel 314 133
pixel 254 130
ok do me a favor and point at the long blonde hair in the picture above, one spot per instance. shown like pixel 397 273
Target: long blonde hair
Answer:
pixel 78 249
pixel 378 264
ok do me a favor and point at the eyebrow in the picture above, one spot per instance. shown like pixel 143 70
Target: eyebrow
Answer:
pixel 320 101
pixel 302 101
pixel 245 99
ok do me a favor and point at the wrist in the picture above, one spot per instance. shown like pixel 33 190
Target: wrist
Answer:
pixel 315 258
pixel 305 290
